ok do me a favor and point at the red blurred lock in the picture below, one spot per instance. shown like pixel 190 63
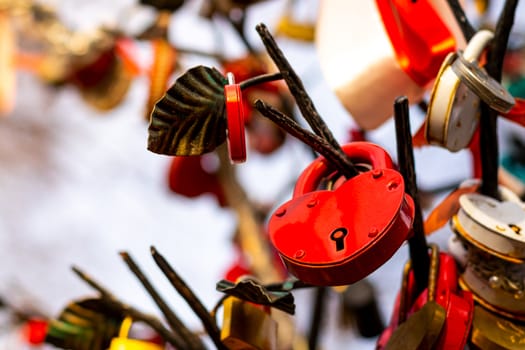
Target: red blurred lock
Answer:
pixel 419 37
pixel 458 304
pixel 188 177
pixel 35 331
pixel 337 237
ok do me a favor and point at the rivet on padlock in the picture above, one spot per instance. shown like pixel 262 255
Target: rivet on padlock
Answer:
pixel 247 327
pixel 453 111
pixel 352 230
pixel 122 342
pixel 235 117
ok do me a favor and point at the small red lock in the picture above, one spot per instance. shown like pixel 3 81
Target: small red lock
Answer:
pixel 337 237
pixel 35 331
pixel 188 177
pixel 235 118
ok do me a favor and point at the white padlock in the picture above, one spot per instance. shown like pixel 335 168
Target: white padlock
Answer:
pixel 453 111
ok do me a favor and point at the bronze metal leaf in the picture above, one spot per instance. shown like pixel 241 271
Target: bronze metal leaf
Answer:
pixel 250 290
pixel 84 325
pixel 190 118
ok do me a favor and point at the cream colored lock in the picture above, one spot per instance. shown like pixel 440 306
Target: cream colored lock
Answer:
pixel 491 231
pixel 453 111
pixel 491 225
pixel 247 327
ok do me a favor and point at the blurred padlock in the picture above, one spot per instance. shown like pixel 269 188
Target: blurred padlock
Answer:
pixel 453 110
pixel 491 331
pixel 123 342
pixel 373 58
pixel 457 305
pixel 247 326
pixel 337 237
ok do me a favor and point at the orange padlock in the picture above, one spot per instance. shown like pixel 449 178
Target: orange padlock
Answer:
pixel 337 237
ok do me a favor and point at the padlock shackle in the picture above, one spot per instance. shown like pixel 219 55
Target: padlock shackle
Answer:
pixel 477 45
pixel 125 327
pixel 358 151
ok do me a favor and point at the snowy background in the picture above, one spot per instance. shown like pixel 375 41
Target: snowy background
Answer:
pixel 78 186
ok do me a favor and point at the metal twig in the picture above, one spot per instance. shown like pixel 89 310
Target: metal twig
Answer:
pixel 464 24
pixel 342 164
pixel 317 318
pixel 405 154
pixel 260 79
pixel 115 304
pixel 304 102
pixel 488 117
pixel 176 325
pixel 193 301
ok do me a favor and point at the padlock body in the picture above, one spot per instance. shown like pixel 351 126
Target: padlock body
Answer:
pixel 371 208
pixel 247 327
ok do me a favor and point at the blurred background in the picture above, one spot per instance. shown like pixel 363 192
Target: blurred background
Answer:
pixel 77 184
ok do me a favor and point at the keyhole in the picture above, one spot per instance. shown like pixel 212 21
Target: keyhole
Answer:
pixel 515 228
pixel 338 235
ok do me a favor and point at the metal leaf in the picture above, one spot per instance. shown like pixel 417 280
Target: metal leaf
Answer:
pixel 190 118
pixel 84 325
pixel 250 290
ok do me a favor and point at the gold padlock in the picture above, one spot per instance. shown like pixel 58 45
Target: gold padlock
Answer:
pixel 247 327
pixel 125 343
pixel 491 331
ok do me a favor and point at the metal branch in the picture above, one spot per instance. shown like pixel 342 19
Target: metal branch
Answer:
pixel 488 118
pixel 176 325
pixel 260 80
pixel 112 302
pixel 297 89
pixel 317 317
pixel 343 165
pixel 193 301
pixel 464 24
pixel 405 154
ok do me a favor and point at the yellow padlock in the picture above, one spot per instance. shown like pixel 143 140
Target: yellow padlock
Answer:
pixel 247 327
pixel 125 343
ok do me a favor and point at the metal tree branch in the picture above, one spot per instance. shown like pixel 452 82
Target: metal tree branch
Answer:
pixel 176 325
pixel 114 303
pixel 417 244
pixel 305 104
pixel 464 24
pixel 193 301
pixel 488 118
pixel 251 238
pixel 319 144
pixel 260 79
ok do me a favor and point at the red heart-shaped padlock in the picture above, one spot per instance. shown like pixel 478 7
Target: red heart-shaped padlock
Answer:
pixel 337 237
